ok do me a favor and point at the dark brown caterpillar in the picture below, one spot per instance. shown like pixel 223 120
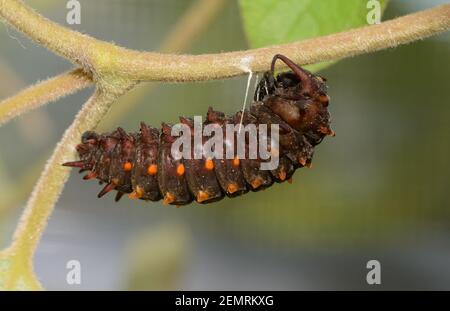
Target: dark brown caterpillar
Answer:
pixel 141 163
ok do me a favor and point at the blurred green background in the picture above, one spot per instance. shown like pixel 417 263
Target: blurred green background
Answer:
pixel 378 190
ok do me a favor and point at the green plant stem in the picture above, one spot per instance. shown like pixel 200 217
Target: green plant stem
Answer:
pixel 42 93
pixel 107 59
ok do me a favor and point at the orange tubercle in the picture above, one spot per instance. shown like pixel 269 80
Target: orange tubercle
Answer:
pixel 282 175
pixel 256 183
pixel 202 196
pixel 290 180
pixel 180 170
pixel 302 161
pixel 324 98
pixel 232 188
pixel 168 198
pixel 152 169
pixel 236 161
pixel 127 166
pixel 327 131
pixel 137 193
pixel 209 164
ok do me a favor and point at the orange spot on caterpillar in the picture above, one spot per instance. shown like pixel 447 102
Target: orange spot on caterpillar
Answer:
pixel 152 169
pixel 236 161
pixel 256 183
pixel 168 198
pixel 180 170
pixel 324 98
pixel 290 180
pixel 232 188
pixel 202 196
pixel 209 164
pixel 282 175
pixel 127 166
pixel 327 131
pixel 137 193
pixel 302 161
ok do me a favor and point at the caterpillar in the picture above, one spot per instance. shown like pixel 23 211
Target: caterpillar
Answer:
pixel 142 166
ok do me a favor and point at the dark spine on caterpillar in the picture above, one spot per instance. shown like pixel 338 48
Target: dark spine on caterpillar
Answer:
pixel 142 164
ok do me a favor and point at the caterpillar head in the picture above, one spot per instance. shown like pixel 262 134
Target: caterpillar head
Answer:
pixel 89 141
pixel 299 98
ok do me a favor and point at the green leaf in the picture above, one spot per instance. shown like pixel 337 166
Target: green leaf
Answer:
pixel 271 22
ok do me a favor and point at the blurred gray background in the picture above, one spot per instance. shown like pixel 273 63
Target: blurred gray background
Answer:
pixel 378 190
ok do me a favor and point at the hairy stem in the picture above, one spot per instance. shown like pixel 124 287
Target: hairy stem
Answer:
pixel 105 58
pixel 150 66
pixel 42 93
